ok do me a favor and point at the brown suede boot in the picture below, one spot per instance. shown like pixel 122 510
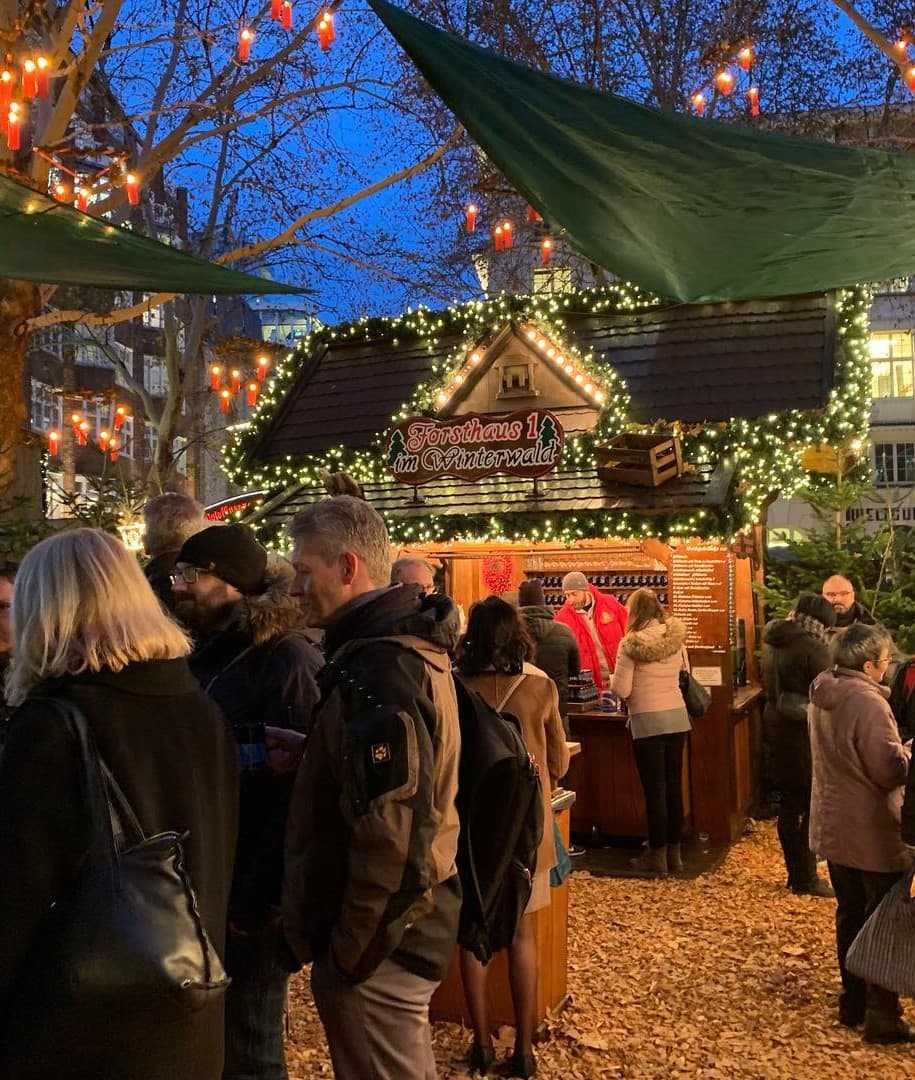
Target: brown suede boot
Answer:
pixel 651 861
pixel 674 860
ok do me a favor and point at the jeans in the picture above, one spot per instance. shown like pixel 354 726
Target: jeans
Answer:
pixel 659 760
pixel 377 1029
pixel 255 1005
pixel 858 892
pixel 793 824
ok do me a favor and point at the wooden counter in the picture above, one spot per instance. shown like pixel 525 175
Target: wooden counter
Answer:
pixel 552 955
pixel 609 798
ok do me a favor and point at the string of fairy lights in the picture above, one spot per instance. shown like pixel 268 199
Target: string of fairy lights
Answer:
pixel 765 452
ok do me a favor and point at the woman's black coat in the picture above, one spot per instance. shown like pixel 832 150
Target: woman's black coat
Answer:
pixel 174 756
pixel 798 657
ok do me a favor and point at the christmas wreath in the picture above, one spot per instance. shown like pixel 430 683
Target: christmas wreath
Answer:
pixel 497 573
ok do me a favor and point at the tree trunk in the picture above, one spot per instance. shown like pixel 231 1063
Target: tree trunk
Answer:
pixel 19 301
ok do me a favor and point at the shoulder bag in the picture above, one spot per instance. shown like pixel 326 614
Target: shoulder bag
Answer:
pixel 127 946
pixel 695 696
pixel 884 950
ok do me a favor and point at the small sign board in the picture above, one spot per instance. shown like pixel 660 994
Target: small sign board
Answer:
pixel 222 510
pixel 526 443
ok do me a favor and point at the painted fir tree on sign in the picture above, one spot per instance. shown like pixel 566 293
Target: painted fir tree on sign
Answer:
pixel 548 439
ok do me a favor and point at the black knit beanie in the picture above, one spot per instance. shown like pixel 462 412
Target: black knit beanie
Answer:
pixel 816 607
pixel 530 593
pixel 231 552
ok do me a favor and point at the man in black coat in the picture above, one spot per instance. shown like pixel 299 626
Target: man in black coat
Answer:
pixel 253 660
pixel 795 651
pixel 556 649
pixel 840 593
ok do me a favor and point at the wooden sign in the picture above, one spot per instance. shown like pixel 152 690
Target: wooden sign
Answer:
pixel 526 443
pixel 699 587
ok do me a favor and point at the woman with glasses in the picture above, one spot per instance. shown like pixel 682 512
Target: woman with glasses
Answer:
pixel 859 772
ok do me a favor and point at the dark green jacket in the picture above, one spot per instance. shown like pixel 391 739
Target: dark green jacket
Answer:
pixel 557 651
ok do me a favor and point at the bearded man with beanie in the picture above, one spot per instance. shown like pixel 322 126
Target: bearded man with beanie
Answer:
pixel 255 663
pixel 598 621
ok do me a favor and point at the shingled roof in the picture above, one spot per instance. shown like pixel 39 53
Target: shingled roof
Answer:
pixel 693 363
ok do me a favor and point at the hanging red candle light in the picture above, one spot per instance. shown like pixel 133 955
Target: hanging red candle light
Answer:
pixel 245 37
pixel 53 442
pixel 331 29
pixel 286 15
pixel 82 432
pixel 724 80
pixel 120 415
pixel 263 363
pixel 6 91
pixel 546 250
pixel 276 10
pixel 104 437
pixel 14 126
pixel 215 376
pixel 30 78
pixel 114 444
pixel 326 34
pixel 43 75
pixel 236 380
pixel 507 239
pixel 133 189
pixel 253 390
pixel 470 217
pixel 753 100
pixel 61 191
pixel 901 47
pixel 745 57
pixel 82 194
pixel 909 77
pixel 698 102
pixel 498 238
pixel 225 396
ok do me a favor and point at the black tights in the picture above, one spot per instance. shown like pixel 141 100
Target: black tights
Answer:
pixel 659 759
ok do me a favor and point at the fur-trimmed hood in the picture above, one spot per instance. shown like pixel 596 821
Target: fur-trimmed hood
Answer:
pixel 656 641
pixel 274 611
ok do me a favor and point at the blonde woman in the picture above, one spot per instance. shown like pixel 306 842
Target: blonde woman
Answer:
pixel 648 666
pixel 86 627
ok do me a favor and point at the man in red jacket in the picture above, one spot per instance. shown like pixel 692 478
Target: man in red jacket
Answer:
pixel 598 622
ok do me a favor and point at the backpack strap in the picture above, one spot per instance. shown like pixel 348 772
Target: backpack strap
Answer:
pixel 512 688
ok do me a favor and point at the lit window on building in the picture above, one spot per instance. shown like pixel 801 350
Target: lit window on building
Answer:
pixel 894 464
pixel 552 279
pixel 891 364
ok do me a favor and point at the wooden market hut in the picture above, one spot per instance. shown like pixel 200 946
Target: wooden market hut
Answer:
pixel 744 385
pixel 742 388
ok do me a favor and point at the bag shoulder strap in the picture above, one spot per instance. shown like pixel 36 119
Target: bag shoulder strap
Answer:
pixel 114 824
pixel 512 688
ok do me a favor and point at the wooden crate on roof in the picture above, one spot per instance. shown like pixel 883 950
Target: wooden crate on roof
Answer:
pixel 644 460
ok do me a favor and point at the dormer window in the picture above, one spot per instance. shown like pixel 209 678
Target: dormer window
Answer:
pixel 516 379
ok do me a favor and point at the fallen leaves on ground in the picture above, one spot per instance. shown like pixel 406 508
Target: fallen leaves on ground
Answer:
pixel 728 977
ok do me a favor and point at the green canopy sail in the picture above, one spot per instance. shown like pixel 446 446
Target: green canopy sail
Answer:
pixel 690 209
pixel 44 240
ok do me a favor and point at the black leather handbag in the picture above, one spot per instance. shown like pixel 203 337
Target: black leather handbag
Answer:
pixel 695 696
pixel 127 946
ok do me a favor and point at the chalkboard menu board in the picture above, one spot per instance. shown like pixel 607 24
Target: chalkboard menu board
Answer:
pixel 699 588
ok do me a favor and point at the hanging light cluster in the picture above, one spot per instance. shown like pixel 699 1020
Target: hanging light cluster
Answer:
pixel 726 79
pixel 21 81
pixel 503 233
pixel 281 12
pixel 69 186
pixel 901 47
pixel 108 439
pixel 236 379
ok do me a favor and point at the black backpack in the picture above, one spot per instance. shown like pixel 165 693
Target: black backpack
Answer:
pixel 500 805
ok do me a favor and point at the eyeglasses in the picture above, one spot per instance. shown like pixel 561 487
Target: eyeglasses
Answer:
pixel 189 575
pixel 883 660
